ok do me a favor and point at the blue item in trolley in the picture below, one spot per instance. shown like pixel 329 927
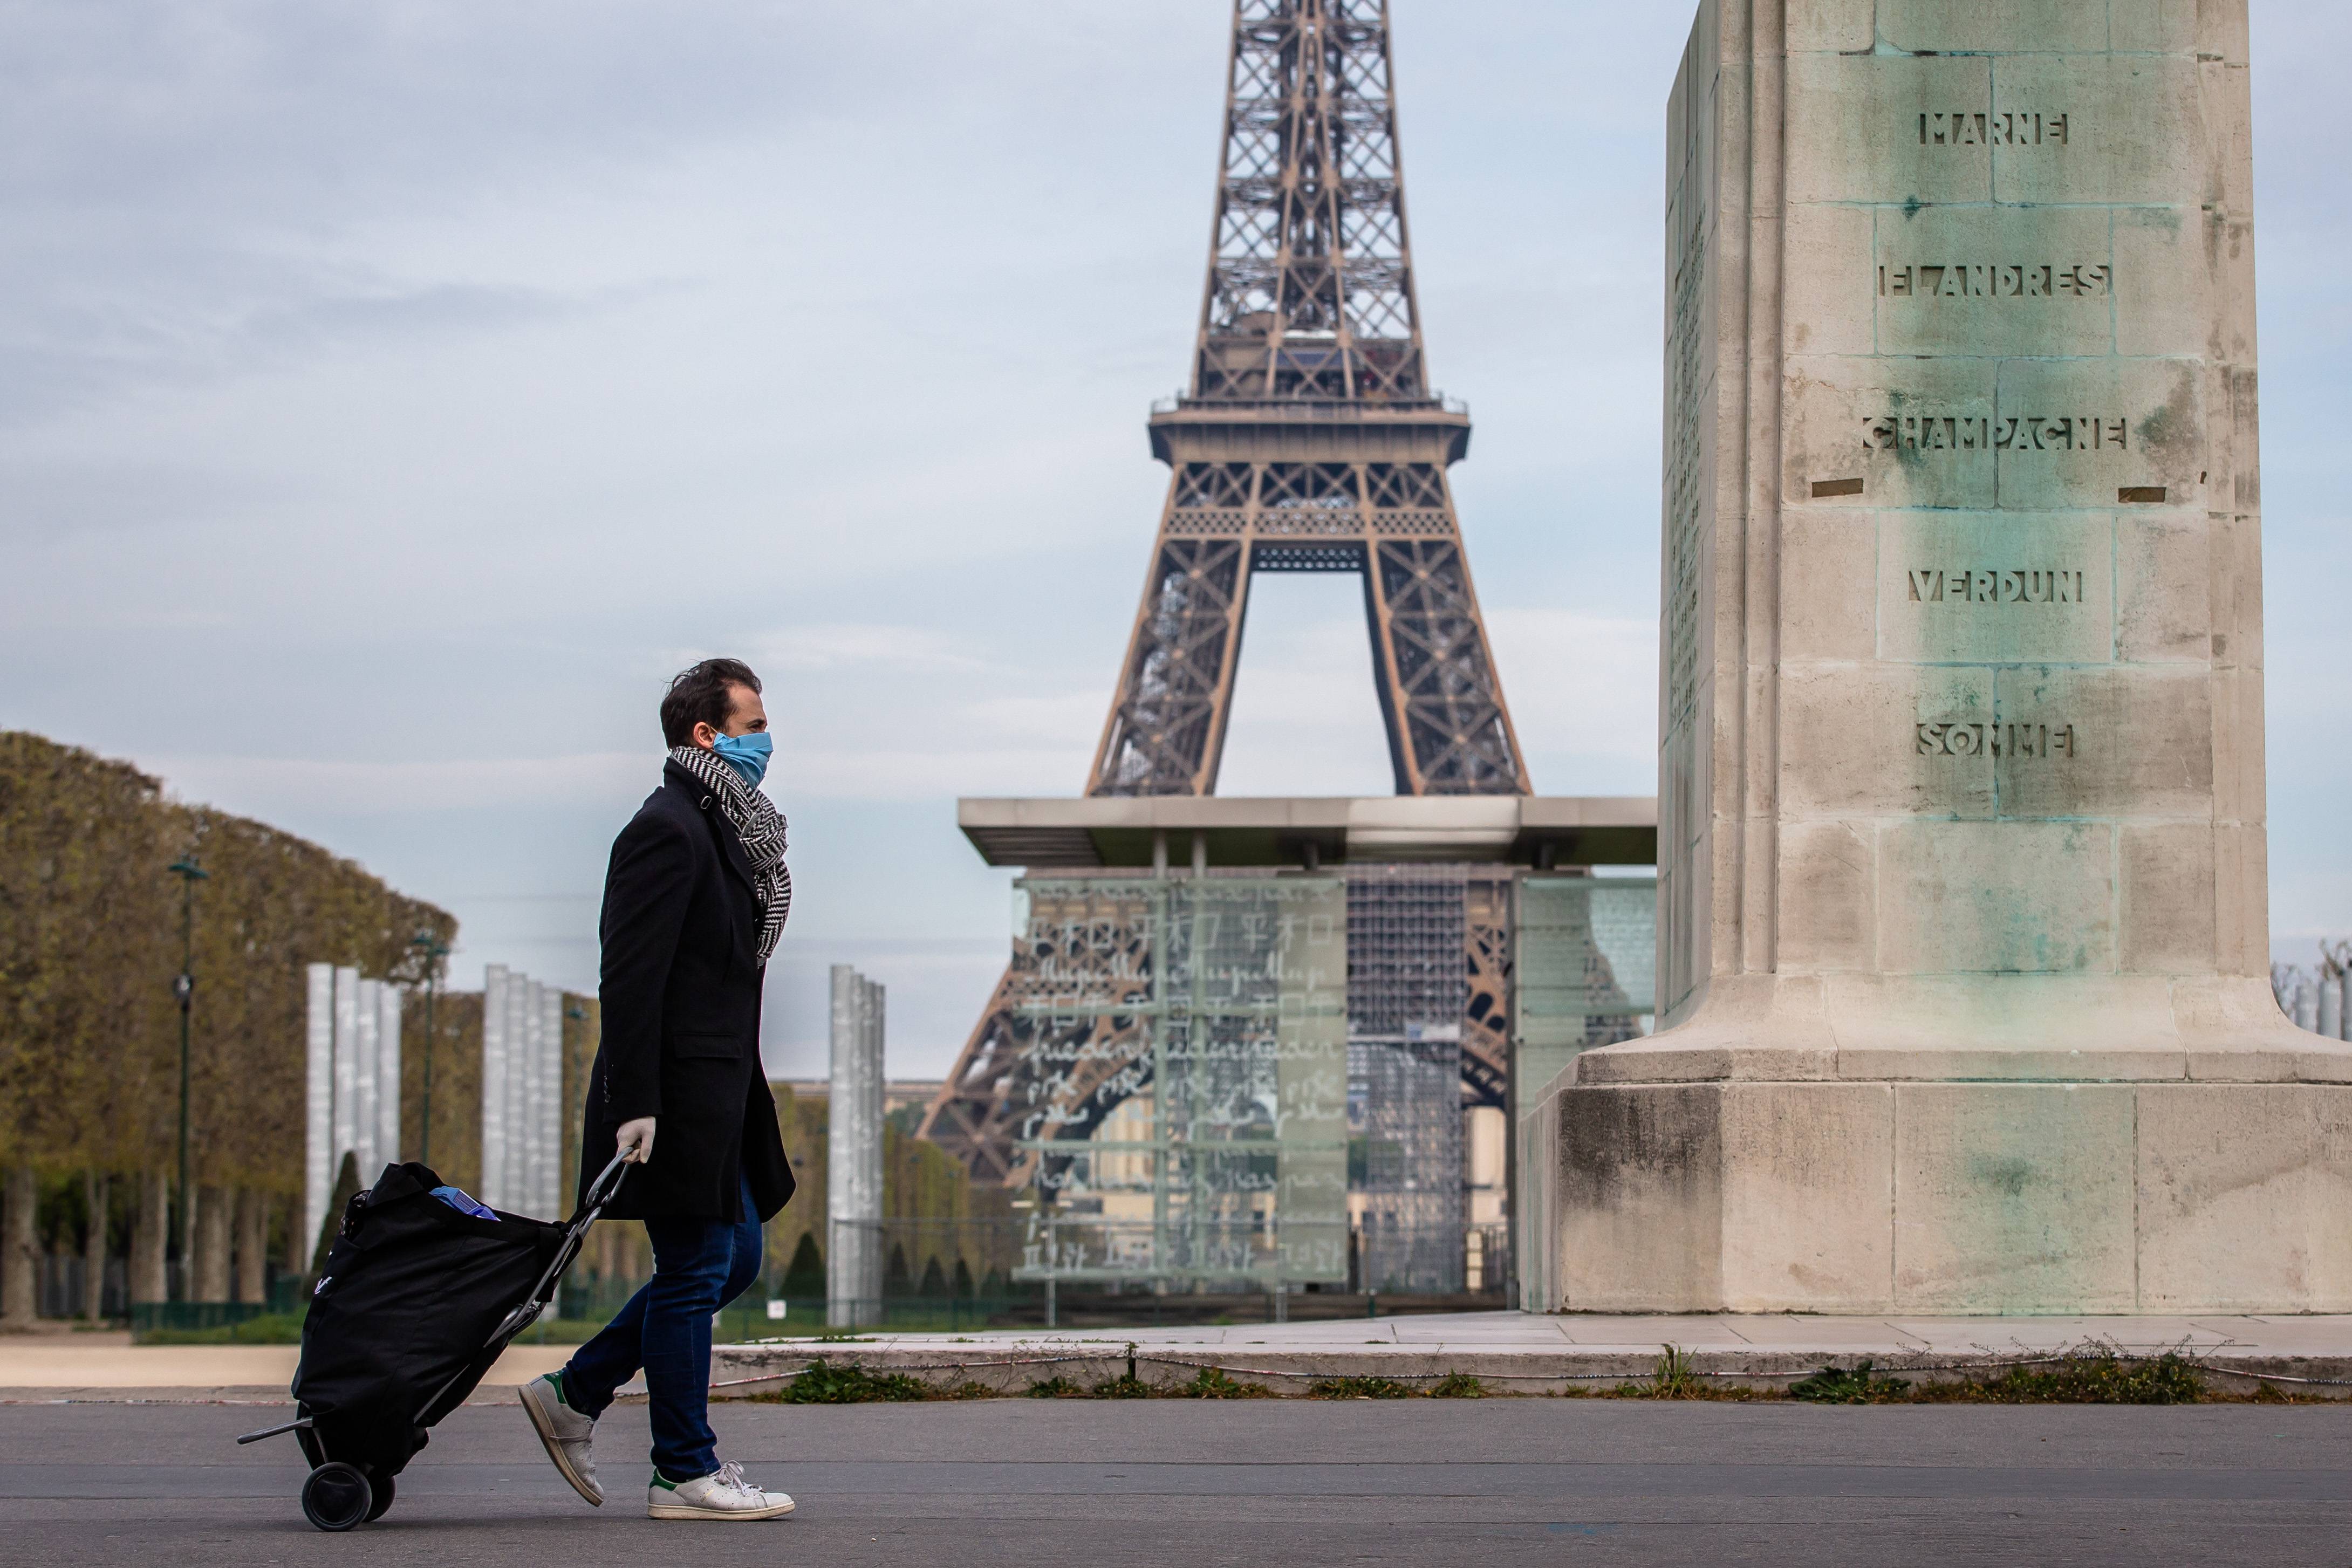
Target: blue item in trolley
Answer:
pixel 458 1200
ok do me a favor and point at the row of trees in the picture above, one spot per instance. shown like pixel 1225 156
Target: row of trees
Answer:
pixel 91 940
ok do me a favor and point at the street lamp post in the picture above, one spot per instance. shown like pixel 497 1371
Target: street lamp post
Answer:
pixel 435 950
pixel 183 990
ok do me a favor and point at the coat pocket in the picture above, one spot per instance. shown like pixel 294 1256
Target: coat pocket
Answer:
pixel 704 1047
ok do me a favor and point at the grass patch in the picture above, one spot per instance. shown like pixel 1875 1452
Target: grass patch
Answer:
pixel 270 1328
pixel 2092 1376
pixel 1055 1388
pixel 1125 1386
pixel 2100 1377
pixel 1359 1388
pixel 1858 1385
pixel 846 1382
pixel 1458 1385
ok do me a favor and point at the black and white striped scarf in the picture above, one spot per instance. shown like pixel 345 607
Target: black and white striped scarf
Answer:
pixel 761 827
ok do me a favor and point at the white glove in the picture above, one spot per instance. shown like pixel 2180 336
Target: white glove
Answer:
pixel 637 1141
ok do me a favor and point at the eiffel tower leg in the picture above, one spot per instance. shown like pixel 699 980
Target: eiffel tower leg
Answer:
pixel 1449 733
pixel 1166 733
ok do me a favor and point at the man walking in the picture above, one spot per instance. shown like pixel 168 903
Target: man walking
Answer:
pixel 695 898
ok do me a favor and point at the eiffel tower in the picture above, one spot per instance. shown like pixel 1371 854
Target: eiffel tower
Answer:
pixel 1310 441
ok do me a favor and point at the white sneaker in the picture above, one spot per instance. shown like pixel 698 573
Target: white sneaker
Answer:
pixel 567 1433
pixel 724 1494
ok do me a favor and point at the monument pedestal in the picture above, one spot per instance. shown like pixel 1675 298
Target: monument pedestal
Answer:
pixel 1963 947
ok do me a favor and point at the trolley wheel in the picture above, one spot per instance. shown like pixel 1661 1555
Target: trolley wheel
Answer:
pixel 383 1489
pixel 336 1496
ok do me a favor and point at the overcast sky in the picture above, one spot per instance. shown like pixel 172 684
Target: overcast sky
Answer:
pixel 394 394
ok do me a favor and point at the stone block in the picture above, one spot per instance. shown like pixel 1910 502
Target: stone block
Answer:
pixel 1995 587
pixel 1856 131
pixel 2083 433
pixel 1808 1196
pixel 2133 129
pixel 1828 872
pixel 2053 1027
pixel 1915 432
pixel 1828 564
pixel 1641 1179
pixel 1832 26
pixel 1988 281
pixel 2164 582
pixel 1829 308
pixel 2153 27
pixel 2161 303
pixel 1995 897
pixel 2105 741
pixel 1987 26
pixel 2167 919
pixel 1841 723
pixel 2241 1190
pixel 2013 1198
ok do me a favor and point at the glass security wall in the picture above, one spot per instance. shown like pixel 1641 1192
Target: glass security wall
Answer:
pixel 1188 1076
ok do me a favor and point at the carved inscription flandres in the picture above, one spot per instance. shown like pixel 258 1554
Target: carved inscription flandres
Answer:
pixel 1995 585
pixel 1977 433
pixel 1974 130
pixel 1997 281
pixel 2038 741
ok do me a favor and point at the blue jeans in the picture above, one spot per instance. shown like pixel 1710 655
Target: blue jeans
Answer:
pixel 699 1266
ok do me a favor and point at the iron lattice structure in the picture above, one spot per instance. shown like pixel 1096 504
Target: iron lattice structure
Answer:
pixel 1310 440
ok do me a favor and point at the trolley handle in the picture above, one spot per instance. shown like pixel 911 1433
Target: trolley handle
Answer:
pixel 601 1191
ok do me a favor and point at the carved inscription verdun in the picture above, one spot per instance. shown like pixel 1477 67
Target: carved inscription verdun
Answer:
pixel 1995 586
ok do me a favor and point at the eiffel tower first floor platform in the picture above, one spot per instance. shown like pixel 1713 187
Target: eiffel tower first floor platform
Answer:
pixel 1276 1044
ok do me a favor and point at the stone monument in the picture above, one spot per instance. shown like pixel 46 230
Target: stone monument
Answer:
pixel 1962 983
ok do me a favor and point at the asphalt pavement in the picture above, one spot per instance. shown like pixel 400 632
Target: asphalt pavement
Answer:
pixel 1246 1482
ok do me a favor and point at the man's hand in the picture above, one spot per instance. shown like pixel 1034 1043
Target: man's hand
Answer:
pixel 637 1141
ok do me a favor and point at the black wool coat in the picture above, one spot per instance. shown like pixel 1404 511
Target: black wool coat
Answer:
pixel 680 990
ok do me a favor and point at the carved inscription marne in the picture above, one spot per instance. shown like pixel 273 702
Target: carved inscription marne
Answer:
pixel 1977 433
pixel 1970 585
pixel 2038 741
pixel 1994 280
pixel 1974 130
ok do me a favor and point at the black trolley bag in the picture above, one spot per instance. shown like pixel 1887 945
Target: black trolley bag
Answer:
pixel 415 1303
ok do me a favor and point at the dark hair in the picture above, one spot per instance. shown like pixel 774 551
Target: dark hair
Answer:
pixel 703 695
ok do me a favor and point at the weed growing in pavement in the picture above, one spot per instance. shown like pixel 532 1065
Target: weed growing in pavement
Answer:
pixel 846 1382
pixel 1458 1385
pixel 1671 1378
pixel 1125 1386
pixel 1836 1385
pixel 1211 1383
pixel 1359 1388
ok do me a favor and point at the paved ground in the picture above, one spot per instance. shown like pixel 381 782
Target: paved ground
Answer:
pixel 1425 1482
pixel 1518 1350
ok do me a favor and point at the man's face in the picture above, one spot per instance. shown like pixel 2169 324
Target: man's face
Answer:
pixel 746 716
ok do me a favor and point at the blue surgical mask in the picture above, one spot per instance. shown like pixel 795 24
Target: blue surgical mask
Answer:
pixel 747 754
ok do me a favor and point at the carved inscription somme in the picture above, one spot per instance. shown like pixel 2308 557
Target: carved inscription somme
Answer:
pixel 2038 741
pixel 1974 585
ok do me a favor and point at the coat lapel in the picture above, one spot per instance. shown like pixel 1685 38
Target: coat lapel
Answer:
pixel 730 842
